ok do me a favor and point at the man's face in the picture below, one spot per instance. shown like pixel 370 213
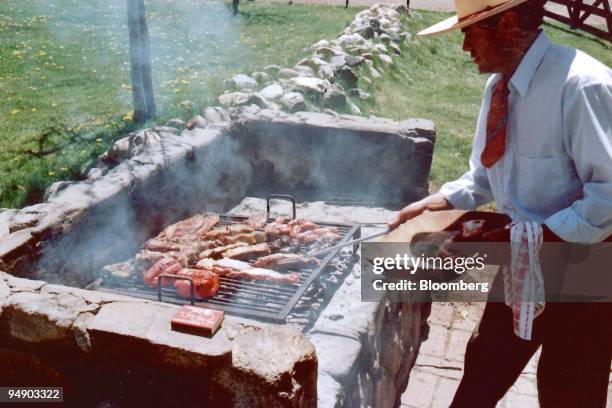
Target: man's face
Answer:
pixel 485 46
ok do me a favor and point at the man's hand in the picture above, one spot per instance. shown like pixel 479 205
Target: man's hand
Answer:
pixel 434 202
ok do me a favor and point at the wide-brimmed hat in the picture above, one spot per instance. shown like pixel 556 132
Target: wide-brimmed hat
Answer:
pixel 469 12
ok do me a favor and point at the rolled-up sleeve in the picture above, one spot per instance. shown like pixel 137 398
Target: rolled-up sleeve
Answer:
pixel 473 188
pixel 588 137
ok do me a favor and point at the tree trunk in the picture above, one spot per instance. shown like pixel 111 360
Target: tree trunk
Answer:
pixel 140 61
pixel 147 79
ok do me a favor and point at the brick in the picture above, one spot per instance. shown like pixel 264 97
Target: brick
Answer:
pixel 435 345
pixel 445 391
pixel 456 347
pixel 441 313
pixel 420 390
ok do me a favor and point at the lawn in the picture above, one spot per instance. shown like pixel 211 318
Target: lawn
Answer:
pixel 64 73
pixel 435 79
pixel 64 76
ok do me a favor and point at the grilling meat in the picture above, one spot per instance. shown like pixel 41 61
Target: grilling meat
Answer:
pixel 165 265
pixel 285 261
pixel 247 252
pixel 210 220
pixel 251 238
pixel 277 228
pixel 237 269
pixel 205 283
pixel 257 221
pixel 234 229
pixel 159 245
pixel 319 234
pixel 217 252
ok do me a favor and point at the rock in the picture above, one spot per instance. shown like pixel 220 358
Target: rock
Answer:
pixel 176 123
pixel 261 77
pixel 6 215
pixel 310 85
pixel 320 44
pixel 288 73
pixel 335 97
pixel 384 38
pixel 272 69
pixel 351 40
pixel 396 50
pixel 241 99
pixel 352 61
pixel 241 82
pixel 380 48
pixel 271 363
pixel 272 91
pixel 56 188
pixel 366 31
pixel 140 140
pixel 144 330
pixel 35 317
pixel 347 75
pixel 5 291
pixel 196 122
pixel 402 9
pixel 293 102
pixel 354 109
pixel 338 355
pixel 338 60
pixel 359 93
pixel 327 52
pixel 330 392
pixel 119 150
pixel 312 62
pixel 327 72
pixel 385 59
pixel 215 114
pixel 305 70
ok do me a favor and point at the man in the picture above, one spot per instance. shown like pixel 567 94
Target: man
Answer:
pixel 543 152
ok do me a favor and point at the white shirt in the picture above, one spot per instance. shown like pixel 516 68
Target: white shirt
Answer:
pixel 557 166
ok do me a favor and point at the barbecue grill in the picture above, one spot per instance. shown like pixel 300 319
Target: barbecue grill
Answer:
pixel 238 296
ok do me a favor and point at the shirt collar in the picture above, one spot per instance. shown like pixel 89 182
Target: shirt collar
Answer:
pixel 529 64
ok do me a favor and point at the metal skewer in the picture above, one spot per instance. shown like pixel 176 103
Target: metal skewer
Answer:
pixel 335 247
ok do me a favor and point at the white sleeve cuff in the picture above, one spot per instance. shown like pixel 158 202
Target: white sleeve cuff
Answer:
pixel 458 195
pixel 571 227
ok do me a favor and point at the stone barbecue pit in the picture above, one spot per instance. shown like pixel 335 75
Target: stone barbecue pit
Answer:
pixel 60 326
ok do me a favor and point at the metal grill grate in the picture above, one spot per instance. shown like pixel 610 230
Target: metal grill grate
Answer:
pixel 244 297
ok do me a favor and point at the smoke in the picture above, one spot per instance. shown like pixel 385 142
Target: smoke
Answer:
pixel 192 43
pixel 169 181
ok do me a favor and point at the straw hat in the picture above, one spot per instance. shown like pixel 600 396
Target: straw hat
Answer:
pixel 469 12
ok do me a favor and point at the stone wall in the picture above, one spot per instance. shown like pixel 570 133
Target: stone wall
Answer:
pixel 88 224
pixel 111 350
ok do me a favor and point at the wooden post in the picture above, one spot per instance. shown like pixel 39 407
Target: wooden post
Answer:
pixel 143 96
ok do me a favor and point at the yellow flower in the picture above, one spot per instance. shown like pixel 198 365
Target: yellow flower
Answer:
pixel 15 111
pixel 51 173
pixel 128 117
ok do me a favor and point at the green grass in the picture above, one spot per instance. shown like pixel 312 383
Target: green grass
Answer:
pixel 436 80
pixel 64 73
pixel 64 77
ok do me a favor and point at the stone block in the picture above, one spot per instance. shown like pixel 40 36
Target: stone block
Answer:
pixel 338 356
pixel 38 318
pixel 273 367
pixel 142 331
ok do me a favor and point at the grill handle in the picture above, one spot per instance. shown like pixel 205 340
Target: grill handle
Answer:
pixel 286 197
pixel 167 275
